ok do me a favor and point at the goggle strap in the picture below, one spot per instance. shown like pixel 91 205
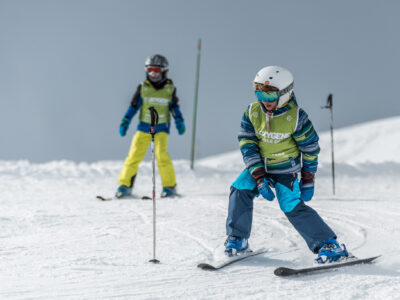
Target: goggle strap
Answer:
pixel 286 90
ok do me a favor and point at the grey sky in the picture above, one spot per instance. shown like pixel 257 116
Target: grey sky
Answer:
pixel 68 69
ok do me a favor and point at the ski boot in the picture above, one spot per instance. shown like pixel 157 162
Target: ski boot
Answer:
pixel 331 251
pixel 235 245
pixel 123 191
pixel 169 191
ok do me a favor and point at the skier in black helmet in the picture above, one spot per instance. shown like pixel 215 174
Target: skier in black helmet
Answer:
pixel 157 91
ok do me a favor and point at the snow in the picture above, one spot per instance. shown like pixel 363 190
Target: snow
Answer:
pixel 372 142
pixel 58 242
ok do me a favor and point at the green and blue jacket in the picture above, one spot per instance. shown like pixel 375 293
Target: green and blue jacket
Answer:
pixel 286 144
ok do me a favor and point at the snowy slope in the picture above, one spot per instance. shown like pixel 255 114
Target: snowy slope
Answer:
pixel 373 142
pixel 58 242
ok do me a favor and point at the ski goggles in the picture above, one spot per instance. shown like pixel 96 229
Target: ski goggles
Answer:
pixel 273 95
pixel 154 69
pixel 267 96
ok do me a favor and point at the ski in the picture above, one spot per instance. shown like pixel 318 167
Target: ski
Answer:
pixel 212 266
pixel 283 271
pixel 171 196
pixel 101 198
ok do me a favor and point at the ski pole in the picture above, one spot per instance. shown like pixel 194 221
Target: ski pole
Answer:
pixel 153 124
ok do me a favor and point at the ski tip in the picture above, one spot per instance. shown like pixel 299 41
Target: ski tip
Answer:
pixel 282 271
pixel 205 266
pixel 146 198
pixel 363 260
pixel 374 258
pixel 102 198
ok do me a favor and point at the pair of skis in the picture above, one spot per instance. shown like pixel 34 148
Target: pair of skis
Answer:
pixel 132 197
pixel 283 271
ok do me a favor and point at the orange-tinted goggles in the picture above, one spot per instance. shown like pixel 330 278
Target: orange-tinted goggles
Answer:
pixel 153 69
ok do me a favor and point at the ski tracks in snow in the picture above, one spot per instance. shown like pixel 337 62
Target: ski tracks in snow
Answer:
pixel 58 241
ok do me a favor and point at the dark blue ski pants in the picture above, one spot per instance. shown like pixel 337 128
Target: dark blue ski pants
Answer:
pixel 303 218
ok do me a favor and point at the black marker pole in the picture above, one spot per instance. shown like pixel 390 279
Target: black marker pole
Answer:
pixel 329 104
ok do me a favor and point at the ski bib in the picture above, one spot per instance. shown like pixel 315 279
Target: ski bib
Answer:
pixel 159 99
pixel 276 144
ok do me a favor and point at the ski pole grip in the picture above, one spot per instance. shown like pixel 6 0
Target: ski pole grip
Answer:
pixel 329 101
pixel 153 117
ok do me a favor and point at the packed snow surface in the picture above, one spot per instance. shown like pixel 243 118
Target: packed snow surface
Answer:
pixel 57 241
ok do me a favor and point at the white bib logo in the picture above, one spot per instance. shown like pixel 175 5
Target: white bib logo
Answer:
pixel 154 101
pixel 272 137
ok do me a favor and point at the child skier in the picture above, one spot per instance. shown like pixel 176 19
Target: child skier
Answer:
pixel 278 141
pixel 157 91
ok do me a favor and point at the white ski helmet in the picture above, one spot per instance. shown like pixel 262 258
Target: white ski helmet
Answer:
pixel 277 77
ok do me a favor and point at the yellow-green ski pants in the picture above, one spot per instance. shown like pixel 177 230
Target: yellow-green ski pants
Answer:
pixel 140 142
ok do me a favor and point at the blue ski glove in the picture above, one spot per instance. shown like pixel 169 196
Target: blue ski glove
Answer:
pixel 123 128
pixel 306 185
pixel 264 189
pixel 180 125
pixel 126 120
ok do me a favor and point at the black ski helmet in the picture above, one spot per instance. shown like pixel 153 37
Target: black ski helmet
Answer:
pixel 157 60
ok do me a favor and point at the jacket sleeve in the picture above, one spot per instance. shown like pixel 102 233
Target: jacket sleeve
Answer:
pixel 307 140
pixel 174 107
pixel 136 103
pixel 248 143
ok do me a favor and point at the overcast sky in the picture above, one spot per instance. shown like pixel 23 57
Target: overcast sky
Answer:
pixel 68 69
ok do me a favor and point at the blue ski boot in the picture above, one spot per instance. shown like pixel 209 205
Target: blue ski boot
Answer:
pixel 123 191
pixel 169 191
pixel 235 245
pixel 331 251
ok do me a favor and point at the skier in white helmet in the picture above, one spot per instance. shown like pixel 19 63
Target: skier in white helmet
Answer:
pixel 278 142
